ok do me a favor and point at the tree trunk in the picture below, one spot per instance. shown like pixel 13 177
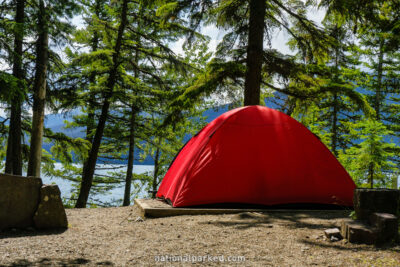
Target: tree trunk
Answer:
pixel 131 153
pixel 131 159
pixel 14 151
pixel 254 53
pixel 90 163
pixel 334 125
pixel 335 101
pixel 91 115
pixel 156 169
pixel 90 125
pixel 371 174
pixel 39 94
pixel 378 93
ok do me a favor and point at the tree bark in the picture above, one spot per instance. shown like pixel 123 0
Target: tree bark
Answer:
pixel 14 151
pixel 131 153
pixel 334 128
pixel 254 53
pixel 39 94
pixel 156 170
pixel 91 114
pixel 371 175
pixel 378 100
pixel 378 93
pixel 90 163
pixel 334 125
pixel 90 126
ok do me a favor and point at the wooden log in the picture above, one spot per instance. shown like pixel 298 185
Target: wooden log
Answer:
pixel 368 201
pixel 343 227
pixel 358 232
pixel 387 225
pixel 154 208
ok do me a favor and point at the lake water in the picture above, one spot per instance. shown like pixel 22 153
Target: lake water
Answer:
pixel 112 195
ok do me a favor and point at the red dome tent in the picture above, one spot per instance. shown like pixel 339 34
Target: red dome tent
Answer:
pixel 256 155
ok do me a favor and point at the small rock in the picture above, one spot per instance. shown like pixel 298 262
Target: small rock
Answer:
pixel 139 219
pixel 179 236
pixel 334 239
pixel 333 232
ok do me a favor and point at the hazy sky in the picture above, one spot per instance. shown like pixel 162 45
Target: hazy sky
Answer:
pixel 278 42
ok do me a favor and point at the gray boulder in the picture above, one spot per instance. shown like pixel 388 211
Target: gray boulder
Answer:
pixel 50 213
pixel 19 198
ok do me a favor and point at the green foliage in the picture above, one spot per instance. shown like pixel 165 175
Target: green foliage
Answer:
pixel 11 88
pixel 353 215
pixel 369 161
pixel 148 74
pixel 2 151
pixel 310 116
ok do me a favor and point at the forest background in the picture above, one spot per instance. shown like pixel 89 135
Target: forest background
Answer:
pixel 91 88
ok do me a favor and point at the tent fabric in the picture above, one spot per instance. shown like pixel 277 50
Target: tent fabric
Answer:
pixel 256 155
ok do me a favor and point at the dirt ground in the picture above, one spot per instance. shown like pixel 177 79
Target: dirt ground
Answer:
pixel 119 237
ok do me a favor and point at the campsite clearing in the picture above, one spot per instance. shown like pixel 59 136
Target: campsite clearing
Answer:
pixel 117 236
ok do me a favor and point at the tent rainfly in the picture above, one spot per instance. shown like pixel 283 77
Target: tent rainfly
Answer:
pixel 256 155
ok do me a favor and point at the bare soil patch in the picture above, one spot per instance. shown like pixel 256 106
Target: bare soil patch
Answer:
pixel 119 237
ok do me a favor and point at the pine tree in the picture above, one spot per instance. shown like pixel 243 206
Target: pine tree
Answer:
pixel 379 47
pixel 168 137
pixel 369 161
pixel 336 68
pixel 90 163
pixel 142 49
pixel 14 152
pixel 39 92
pixel 241 56
pixel 373 23
pixel 49 24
